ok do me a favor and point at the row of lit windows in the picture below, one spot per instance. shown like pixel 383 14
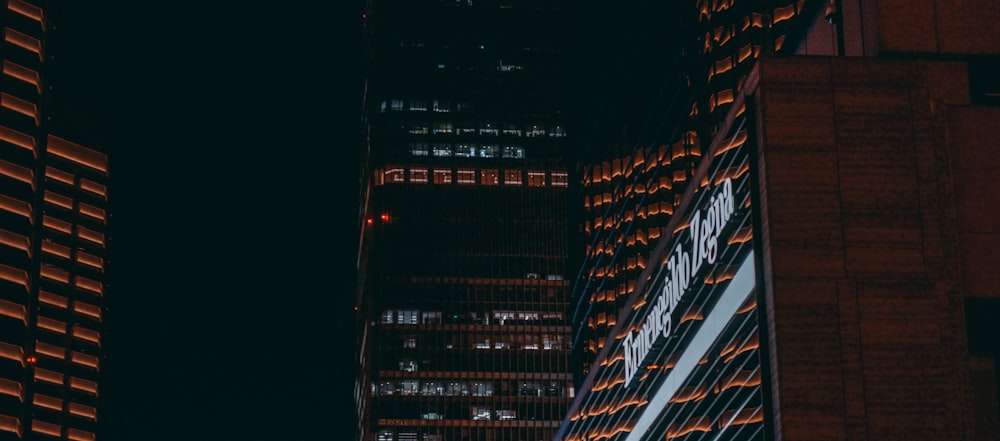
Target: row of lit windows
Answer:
pixel 416 317
pixel 458 388
pixel 466 150
pixel 470 176
pixel 417 127
pixel 489 341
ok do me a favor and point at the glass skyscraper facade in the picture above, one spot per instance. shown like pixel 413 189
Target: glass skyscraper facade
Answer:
pixel 462 291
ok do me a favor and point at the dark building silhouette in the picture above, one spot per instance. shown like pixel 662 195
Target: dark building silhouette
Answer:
pixel 462 289
pixel 793 236
pixel 53 248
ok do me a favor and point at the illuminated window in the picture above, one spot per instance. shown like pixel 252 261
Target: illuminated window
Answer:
pixel 512 177
pixel 465 150
pixel 409 342
pixel 443 128
pixel 385 435
pixel 506 414
pixel 418 105
pixel 386 388
pixel 396 104
pixel 550 341
pixel 406 316
pixel 394 175
pixel 419 149
pixel 488 129
pixel 418 175
pixel 442 106
pixel 458 388
pixel 408 365
pixel 536 179
pixel 466 176
pixel 409 387
pixel 560 179
pixel 388 317
pixel 481 413
pixel 442 176
pixel 432 388
pixel 443 149
pixel 513 151
pixel 489 177
pixel 488 151
pixel 432 317
pixel 418 128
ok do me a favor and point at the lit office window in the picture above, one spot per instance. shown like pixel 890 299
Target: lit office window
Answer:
pixel 419 149
pixel 394 175
pixel 512 177
pixel 408 365
pixel 418 175
pixel 406 316
pixel 443 149
pixel 442 176
pixel 409 387
pixel 465 150
pixel 488 129
pixel 536 179
pixel 418 105
pixel 490 176
pixel 466 176
pixel 442 127
pixel 432 317
pixel 513 151
pixel 560 179
pixel 396 104
pixel 481 413
pixel 442 106
pixel 488 151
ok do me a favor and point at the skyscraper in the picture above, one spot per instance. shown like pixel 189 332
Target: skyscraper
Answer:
pixel 53 249
pixel 462 295
pixel 821 273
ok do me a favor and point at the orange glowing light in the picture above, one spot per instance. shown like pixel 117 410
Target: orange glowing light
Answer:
pixel 385 217
pixel 31 359
pixel 371 221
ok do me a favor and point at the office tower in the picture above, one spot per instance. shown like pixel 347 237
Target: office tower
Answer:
pixel 53 222
pixel 462 295
pixel 822 274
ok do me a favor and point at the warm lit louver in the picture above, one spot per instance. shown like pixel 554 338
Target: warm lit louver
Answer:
pixel 24 41
pixel 77 153
pixel 24 107
pixel 17 172
pixel 28 10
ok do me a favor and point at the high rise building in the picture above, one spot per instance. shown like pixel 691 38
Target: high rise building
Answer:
pixel 462 287
pixel 822 268
pixel 53 248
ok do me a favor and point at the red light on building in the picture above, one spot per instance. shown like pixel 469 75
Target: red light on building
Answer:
pixel 371 221
pixel 31 359
pixel 385 217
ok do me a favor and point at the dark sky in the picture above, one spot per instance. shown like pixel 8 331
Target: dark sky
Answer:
pixel 232 131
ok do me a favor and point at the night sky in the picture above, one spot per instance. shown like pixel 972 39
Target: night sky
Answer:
pixel 232 132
